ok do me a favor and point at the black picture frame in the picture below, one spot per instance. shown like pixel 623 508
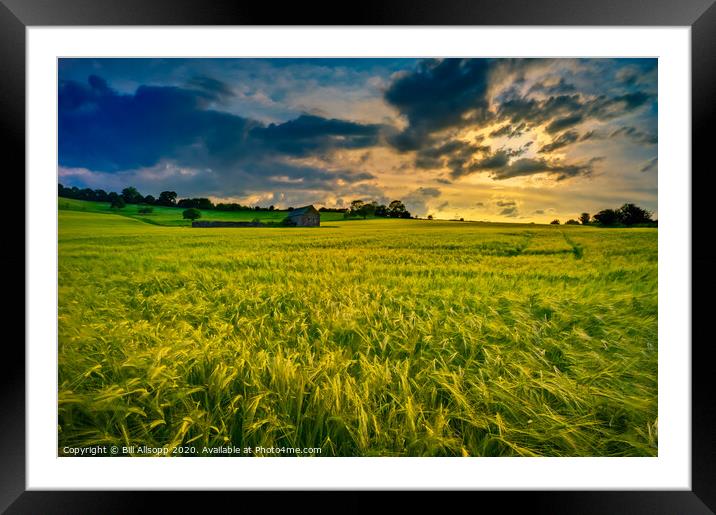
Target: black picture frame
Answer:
pixel 700 15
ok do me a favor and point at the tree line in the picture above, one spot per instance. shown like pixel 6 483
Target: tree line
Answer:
pixel 130 195
pixel 362 209
pixel 627 215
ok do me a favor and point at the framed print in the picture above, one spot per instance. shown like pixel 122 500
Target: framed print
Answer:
pixel 421 249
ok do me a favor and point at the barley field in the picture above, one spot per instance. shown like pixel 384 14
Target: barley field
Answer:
pixel 359 338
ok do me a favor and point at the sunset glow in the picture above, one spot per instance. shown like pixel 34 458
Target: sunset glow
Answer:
pixel 514 140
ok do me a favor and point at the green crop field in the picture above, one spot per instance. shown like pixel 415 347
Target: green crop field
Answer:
pixel 359 338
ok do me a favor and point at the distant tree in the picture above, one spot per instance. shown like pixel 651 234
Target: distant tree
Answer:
pixel 462 219
pixel 198 203
pixel 145 210
pixel 229 207
pixel 86 194
pixel 117 202
pixel 204 203
pixel 554 222
pixel 571 221
pixel 584 218
pixel 191 214
pixel 396 209
pixel 150 200
pixel 630 214
pixel 290 208
pixel 367 209
pixel 167 198
pixel 430 217
pixel 100 195
pixel 82 194
pixel 355 208
pixel 271 207
pixel 381 210
pixel 606 217
pixel 131 195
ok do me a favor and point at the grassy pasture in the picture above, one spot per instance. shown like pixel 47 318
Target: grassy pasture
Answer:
pixel 362 338
pixel 172 216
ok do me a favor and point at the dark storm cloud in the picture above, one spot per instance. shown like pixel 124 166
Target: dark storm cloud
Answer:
pixel 607 108
pixel 563 111
pixel 554 86
pixel 105 131
pixel 564 123
pixel 531 166
pixel 539 111
pixel 438 94
pixel 636 135
pixel 102 130
pixel 505 203
pixel 652 164
pixel 509 130
pixel 428 192
pixel 627 76
pixel 501 166
pixel 213 88
pixel 432 155
pixel 631 101
pixel 454 155
pixel 490 162
pixel 590 135
pixel 293 176
pixel 307 135
pixel 560 141
pixel 505 130
pixel 519 109
pixel 510 212
pixel 636 72
pixel 484 160
pixel 558 113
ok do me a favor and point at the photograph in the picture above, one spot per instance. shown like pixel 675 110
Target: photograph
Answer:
pixel 357 257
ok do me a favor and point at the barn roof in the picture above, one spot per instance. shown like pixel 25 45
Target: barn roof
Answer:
pixel 299 211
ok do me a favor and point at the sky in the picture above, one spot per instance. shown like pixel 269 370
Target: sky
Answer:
pixel 512 140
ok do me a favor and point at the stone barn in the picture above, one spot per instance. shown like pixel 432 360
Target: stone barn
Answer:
pixel 307 216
